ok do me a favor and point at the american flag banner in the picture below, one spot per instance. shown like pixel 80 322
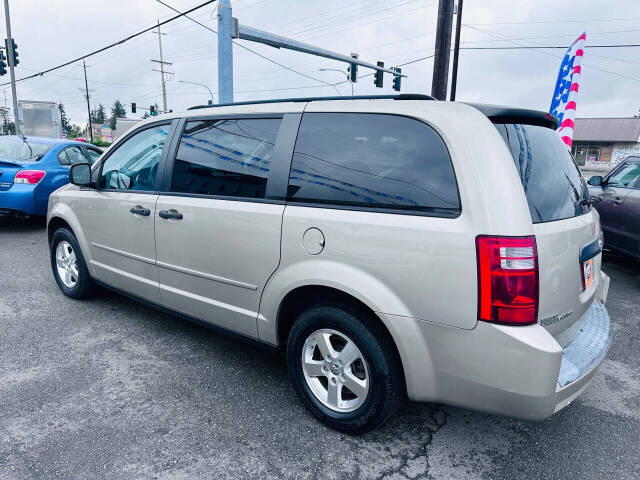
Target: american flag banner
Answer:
pixel 563 103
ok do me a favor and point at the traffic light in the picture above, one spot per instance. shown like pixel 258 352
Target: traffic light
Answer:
pixel 14 48
pixel 133 107
pixel 152 110
pixel 3 65
pixel 353 69
pixel 396 79
pixel 378 76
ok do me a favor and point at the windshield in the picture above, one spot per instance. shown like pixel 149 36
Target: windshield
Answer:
pixel 552 183
pixel 17 149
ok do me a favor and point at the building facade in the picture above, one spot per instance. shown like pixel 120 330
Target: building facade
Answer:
pixel 601 143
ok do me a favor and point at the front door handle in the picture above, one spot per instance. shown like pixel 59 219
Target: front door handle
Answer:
pixel 617 201
pixel 145 212
pixel 170 214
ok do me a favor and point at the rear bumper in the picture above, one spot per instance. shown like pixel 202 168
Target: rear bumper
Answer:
pixel 21 198
pixel 520 372
pixel 582 357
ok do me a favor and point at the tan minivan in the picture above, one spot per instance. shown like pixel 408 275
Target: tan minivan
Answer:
pixel 395 246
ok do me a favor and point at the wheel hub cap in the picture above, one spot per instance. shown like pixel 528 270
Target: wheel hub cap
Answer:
pixel 335 370
pixel 66 264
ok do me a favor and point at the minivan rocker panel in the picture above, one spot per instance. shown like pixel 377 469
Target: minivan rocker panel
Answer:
pixel 277 234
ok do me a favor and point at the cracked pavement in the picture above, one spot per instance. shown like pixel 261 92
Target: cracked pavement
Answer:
pixel 108 388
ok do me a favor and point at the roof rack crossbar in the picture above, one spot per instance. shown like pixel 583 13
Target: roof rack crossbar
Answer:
pixel 402 96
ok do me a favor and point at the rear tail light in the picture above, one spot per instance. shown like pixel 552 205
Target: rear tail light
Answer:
pixel 507 280
pixel 28 176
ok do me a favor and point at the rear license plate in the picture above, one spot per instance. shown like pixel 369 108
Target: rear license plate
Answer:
pixel 587 272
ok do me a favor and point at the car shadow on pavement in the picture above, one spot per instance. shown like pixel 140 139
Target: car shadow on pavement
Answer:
pixel 12 224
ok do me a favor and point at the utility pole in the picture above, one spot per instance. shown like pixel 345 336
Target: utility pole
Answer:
pixel 162 71
pixel 225 52
pixel 86 92
pixel 443 48
pixel 11 66
pixel 456 52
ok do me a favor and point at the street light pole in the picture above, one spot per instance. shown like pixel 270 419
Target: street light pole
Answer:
pixel 202 85
pixel 337 70
pixel 16 121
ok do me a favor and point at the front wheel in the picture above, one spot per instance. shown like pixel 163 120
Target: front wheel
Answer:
pixel 344 368
pixel 68 265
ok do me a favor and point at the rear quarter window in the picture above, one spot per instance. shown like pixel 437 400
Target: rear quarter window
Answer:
pixel 552 183
pixel 372 160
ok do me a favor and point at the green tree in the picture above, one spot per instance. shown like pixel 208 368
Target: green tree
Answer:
pixel 117 111
pixel 64 119
pixel 98 114
pixel 75 131
pixel 8 127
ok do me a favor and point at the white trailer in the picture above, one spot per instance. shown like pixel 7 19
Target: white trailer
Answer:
pixel 122 125
pixel 39 119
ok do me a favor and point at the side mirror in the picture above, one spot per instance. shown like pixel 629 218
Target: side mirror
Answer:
pixel 596 181
pixel 80 174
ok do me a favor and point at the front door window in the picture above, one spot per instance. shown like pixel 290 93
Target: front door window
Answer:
pixel 134 165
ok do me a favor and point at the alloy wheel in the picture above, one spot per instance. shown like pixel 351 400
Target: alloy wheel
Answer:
pixel 67 264
pixel 335 370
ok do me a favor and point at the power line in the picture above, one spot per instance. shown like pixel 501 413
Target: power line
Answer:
pixel 535 47
pixel 573 35
pixel 520 47
pixel 120 42
pixel 559 21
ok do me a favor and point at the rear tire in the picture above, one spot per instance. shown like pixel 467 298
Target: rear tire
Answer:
pixel 375 376
pixel 68 265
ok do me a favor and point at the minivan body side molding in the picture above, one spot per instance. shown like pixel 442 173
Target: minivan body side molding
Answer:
pixel 150 261
pixel 208 276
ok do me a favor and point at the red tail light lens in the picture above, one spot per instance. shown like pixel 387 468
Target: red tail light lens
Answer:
pixel 507 280
pixel 28 176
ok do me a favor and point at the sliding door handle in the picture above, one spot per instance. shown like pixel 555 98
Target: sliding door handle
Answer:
pixel 138 210
pixel 170 214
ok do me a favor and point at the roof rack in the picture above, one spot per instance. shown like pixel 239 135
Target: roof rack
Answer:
pixel 402 96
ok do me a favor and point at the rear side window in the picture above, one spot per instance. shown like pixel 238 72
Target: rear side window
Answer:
pixel 372 160
pixel 552 183
pixel 71 156
pixel 229 158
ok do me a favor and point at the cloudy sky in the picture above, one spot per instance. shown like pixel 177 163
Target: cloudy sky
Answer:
pixel 51 32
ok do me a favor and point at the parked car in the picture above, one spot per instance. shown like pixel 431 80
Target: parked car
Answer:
pixel 618 195
pixel 33 167
pixel 394 246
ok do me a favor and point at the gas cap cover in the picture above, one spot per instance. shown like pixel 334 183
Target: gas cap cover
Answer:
pixel 313 241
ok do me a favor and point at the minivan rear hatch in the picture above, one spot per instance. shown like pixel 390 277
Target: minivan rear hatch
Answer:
pixel 566 226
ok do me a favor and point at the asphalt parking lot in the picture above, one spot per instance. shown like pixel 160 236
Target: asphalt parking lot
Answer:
pixel 108 388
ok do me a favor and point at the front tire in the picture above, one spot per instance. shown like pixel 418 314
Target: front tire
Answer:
pixel 344 368
pixel 68 265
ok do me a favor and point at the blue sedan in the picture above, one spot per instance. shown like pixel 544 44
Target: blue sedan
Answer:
pixel 32 168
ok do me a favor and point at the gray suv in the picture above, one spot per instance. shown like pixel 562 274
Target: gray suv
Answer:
pixel 396 247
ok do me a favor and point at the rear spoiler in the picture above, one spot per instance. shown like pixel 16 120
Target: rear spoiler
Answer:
pixel 500 114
